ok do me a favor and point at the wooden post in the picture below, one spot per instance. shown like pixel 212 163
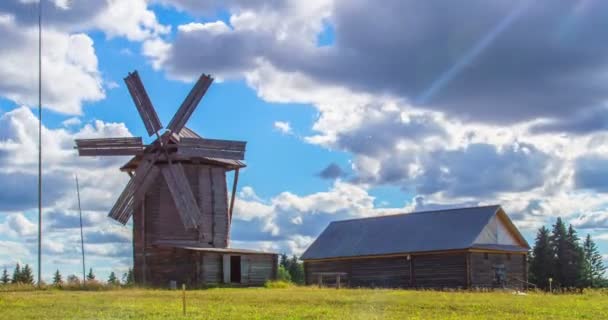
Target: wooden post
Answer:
pixel 320 280
pixel 550 281
pixel 184 298
pixel 232 197
pixel 338 282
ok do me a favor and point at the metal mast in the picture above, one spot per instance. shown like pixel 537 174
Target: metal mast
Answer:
pixel 81 233
pixel 39 143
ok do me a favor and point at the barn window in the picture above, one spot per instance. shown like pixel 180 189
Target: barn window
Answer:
pixel 485 256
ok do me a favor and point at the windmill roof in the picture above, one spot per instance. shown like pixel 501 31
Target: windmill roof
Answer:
pixel 439 230
pixel 186 132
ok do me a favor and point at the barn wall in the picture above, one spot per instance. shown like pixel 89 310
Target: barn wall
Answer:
pixel 440 270
pixel 211 268
pixel 429 271
pixel 259 269
pixel 391 272
pixel 483 270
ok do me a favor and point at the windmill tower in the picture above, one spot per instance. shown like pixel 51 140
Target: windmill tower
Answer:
pixel 177 194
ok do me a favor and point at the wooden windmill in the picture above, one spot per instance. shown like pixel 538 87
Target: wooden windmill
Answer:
pixel 177 192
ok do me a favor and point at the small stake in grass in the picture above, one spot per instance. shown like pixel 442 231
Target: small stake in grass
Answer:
pixel 184 298
pixel 550 281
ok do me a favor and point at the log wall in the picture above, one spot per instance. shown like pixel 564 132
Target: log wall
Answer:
pixel 421 271
pixel 483 269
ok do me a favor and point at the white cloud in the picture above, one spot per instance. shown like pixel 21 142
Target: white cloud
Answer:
pixel 73 121
pixel 68 60
pixel 283 127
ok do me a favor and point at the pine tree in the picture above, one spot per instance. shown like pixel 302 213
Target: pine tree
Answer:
pixel 541 259
pixel 284 261
pixel 90 275
pixel 572 271
pixel 16 274
pixel 112 280
pixel 128 278
pixel 296 270
pixel 594 268
pixel 57 279
pixel 559 248
pixel 5 278
pixel 27 277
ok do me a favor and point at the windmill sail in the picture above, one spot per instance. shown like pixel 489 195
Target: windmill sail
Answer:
pixel 109 146
pixel 212 148
pixel 184 199
pixel 194 97
pixel 143 103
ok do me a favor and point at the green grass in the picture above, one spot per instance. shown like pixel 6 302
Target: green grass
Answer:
pixel 298 303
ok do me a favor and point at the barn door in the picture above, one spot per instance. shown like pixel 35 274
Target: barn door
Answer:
pixel 226 268
pixel 244 269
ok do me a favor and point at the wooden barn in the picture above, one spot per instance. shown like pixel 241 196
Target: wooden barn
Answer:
pixel 178 198
pixel 455 248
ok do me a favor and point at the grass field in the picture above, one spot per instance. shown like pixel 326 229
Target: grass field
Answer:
pixel 298 303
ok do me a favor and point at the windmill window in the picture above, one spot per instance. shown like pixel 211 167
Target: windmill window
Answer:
pixel 508 256
pixel 485 256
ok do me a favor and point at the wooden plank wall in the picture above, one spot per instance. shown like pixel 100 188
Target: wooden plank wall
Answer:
pixel 430 271
pixel 167 264
pixel 440 270
pixel 482 269
pixel 205 203
pixel 261 269
pixel 391 272
pixel 220 207
pixel 211 268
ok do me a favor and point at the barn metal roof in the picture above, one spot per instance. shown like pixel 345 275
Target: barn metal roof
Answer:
pixel 440 230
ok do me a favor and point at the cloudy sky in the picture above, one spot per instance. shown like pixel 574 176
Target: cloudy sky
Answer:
pixel 350 109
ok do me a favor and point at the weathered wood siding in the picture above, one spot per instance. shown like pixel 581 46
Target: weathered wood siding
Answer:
pixel 162 220
pixel 440 270
pixel 429 271
pixel 260 268
pixel 212 268
pixel 171 264
pixel 483 274
pixel 391 272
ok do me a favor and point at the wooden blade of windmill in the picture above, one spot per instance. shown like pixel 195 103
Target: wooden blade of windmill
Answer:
pixel 142 103
pixel 182 195
pixel 145 174
pixel 123 208
pixel 192 100
pixel 212 148
pixel 110 146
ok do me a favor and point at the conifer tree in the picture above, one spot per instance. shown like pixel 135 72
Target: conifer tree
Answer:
pixel 5 278
pixel 296 270
pixel 541 261
pixel 90 275
pixel 128 278
pixel 572 271
pixel 57 279
pixel 559 248
pixel 16 274
pixel 27 277
pixel 112 280
pixel 594 268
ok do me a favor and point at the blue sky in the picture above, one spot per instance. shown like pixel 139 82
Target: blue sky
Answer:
pixel 349 110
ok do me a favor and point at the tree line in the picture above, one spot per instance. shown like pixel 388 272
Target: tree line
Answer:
pixel 290 269
pixel 24 276
pixel 560 260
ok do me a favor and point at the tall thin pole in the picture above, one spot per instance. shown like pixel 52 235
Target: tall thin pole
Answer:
pixel 81 233
pixel 39 143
